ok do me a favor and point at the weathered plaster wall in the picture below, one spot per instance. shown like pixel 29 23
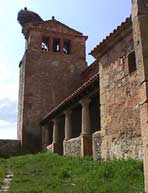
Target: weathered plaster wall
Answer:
pixel 119 98
pixel 72 147
pixel 10 147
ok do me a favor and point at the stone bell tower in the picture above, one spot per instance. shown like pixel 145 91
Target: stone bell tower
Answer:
pixel 49 72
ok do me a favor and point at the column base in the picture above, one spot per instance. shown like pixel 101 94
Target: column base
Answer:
pixel 44 148
pixel 49 148
pixel 57 148
pixel 86 145
pixel 64 147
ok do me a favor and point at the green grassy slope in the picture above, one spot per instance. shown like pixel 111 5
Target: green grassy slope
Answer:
pixel 3 169
pixel 50 173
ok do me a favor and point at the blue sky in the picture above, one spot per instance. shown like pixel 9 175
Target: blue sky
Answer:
pixel 95 18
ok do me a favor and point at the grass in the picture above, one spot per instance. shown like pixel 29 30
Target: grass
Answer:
pixel 2 169
pixel 50 173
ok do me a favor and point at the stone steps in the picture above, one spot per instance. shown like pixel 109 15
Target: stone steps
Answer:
pixel 6 183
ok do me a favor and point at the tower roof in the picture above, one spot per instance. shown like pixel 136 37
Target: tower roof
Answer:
pixel 29 20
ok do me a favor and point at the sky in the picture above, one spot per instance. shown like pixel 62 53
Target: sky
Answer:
pixel 94 18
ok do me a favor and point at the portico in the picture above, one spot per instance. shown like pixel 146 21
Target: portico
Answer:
pixel 73 122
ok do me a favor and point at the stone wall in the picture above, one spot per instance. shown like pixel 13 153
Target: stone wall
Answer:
pixel 43 74
pixel 115 147
pixel 96 144
pixel 10 147
pixel 127 146
pixel 119 98
pixel 119 102
pixel 140 31
pixel 72 147
pixel 124 146
pixel 119 91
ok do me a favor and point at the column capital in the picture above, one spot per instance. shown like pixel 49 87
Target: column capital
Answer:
pixel 55 120
pixel 68 112
pixel 85 101
pixel 45 126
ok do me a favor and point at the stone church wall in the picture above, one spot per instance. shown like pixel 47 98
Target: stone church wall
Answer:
pixel 120 135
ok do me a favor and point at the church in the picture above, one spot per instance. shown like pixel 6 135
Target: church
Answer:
pixel 70 108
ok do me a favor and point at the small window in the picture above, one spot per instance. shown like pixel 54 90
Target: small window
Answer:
pixel 45 44
pixel 56 45
pixel 132 62
pixel 67 47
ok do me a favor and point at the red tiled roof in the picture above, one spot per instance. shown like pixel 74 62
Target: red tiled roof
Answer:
pixel 90 71
pixel 115 31
pixel 72 96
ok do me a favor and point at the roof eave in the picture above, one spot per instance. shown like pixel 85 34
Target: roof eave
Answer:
pixel 76 96
pixel 112 38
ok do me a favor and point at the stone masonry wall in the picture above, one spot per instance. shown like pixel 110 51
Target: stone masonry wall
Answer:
pixel 125 146
pixel 140 31
pixel 49 78
pixel 21 98
pixel 119 98
pixel 10 147
pixel 72 147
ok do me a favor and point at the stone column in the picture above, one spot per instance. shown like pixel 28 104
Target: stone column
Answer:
pixel 55 131
pixel 45 137
pixel 85 116
pixel 68 129
pixel 56 145
pixel 86 138
pixel 68 125
pixel 140 34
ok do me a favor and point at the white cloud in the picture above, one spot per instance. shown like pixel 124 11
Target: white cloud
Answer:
pixel 8 110
pixel 8 130
pixel 4 72
pixel 3 12
pixel 9 90
pixel 8 86
pixel 8 103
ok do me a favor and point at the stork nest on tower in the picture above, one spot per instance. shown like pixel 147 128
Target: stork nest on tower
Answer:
pixel 25 16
